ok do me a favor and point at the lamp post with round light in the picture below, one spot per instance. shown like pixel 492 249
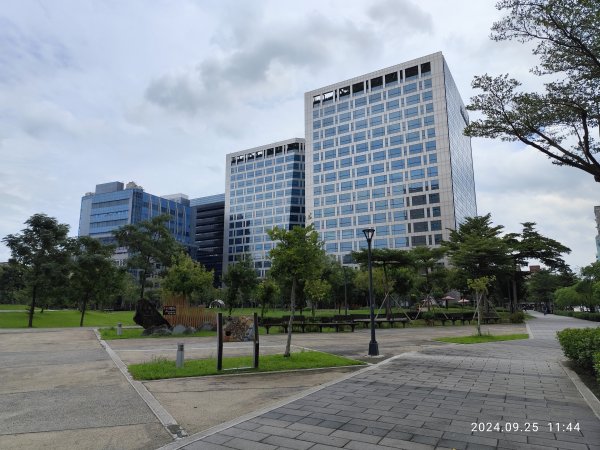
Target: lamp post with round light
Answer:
pixel 373 346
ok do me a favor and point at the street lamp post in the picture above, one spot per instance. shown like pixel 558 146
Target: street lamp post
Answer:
pixel 373 346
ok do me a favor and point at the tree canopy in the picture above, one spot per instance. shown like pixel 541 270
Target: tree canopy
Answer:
pixel 148 242
pixel 186 277
pixel 558 121
pixel 42 250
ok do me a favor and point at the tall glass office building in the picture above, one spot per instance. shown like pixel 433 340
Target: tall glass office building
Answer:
pixel 386 150
pixel 208 214
pixel 264 188
pixel 113 205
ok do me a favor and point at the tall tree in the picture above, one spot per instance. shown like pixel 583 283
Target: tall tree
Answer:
pixel 266 292
pixel 297 256
pixel 148 243
pixel 93 271
pixel 186 276
pixel 542 285
pixel 42 250
pixel 11 281
pixel 557 122
pixel 241 281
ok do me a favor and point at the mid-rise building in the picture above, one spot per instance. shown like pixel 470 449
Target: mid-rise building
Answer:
pixel 264 188
pixel 386 151
pixel 113 205
pixel 208 214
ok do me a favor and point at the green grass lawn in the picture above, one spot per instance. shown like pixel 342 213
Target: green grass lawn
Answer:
pixel 13 307
pixel 482 339
pixel 162 368
pixel 66 318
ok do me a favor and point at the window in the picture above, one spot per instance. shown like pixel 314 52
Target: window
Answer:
pixel 376 109
pixel 434 185
pixel 343 106
pixel 420 227
pixel 345 117
pixel 428 120
pixel 392 104
pixel 417 214
pixel 415 148
pixel 430 146
pixel 411 112
pixel 414 99
pixel 362 171
pixel 360 124
pixel 379 218
pixel 436 225
pixel 395 92
pixel 430 133
pixel 418 241
pixel 413 136
pixel 377 168
pixel 328 166
pixel 343 174
pixel 361 101
pixel 374 98
pixel 363 195
pixel 394 152
pixel 379 192
pixel 345 222
pixel 432 171
pixel 359 113
pixel 362 183
pixel 436 211
pixel 330 132
pixel 396 115
pixel 379 180
pixel 418 200
pixel 415 187
pixel 411 87
pixel 346 185
pixel 331 200
pixel 362 207
pixel 427 96
pixel 394 128
pixel 327 121
pixel 417 174
pixel 434 198
pixel 364 220
pixel 343 151
pixel 382 230
pixel 346 139
pixel 381 205
pixel 379 142
pixel 399 228
pixel 413 124
pixel 401 242
pixel 396 140
pixel 433 158
pixel 360 136
pixel 415 161
pixel 437 239
pixel 399 215
pixel 362 147
pixel 377 120
pixel 396 177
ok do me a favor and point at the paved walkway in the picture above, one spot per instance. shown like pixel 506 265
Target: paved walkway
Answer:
pixel 517 392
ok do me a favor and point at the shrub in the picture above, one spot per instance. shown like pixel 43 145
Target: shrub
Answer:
pixel 580 345
pixel 597 365
pixel 517 317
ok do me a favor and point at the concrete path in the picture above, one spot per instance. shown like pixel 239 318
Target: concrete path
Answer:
pixel 60 390
pixel 516 392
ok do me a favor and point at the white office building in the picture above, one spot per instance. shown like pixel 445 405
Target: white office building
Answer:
pixel 386 151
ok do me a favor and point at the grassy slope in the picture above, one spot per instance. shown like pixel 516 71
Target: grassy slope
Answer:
pixel 482 339
pixel 66 318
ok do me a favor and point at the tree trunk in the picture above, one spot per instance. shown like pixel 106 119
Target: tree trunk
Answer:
pixel 32 309
pixel 288 345
pixel 143 283
pixel 515 300
pixel 478 297
pixel 85 300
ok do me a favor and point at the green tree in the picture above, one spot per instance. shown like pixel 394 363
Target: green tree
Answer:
pixel 42 250
pixel 318 291
pixel 93 272
pixel 187 277
pixel 480 286
pixel 297 256
pixel 267 293
pixel 148 243
pixel 542 285
pixel 558 121
pixel 11 281
pixel 567 297
pixel 478 249
pixel 241 281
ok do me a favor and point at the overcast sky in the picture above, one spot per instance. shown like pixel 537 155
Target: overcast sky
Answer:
pixel 157 92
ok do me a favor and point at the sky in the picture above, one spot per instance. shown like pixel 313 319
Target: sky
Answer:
pixel 159 91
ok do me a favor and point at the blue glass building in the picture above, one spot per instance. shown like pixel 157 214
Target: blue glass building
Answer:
pixel 208 215
pixel 386 150
pixel 113 205
pixel 264 188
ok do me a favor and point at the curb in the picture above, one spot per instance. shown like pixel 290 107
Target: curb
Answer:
pixel 585 392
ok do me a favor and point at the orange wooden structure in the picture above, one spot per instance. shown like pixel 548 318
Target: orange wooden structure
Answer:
pixel 189 316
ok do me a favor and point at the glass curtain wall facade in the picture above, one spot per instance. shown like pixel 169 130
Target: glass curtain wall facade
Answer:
pixel 265 188
pixel 385 150
pixel 112 205
pixel 209 215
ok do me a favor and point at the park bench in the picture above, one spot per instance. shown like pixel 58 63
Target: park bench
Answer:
pixel 490 317
pixel 365 319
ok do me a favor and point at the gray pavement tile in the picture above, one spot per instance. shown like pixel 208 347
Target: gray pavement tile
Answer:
pixel 554 443
pixel 310 428
pixel 217 438
pixel 331 424
pixel 281 441
pixel 244 444
pixel 278 431
pixel 360 437
pixel 244 434
pixel 323 439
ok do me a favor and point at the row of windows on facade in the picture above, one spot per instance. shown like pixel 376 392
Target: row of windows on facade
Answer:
pixel 346 122
pixel 259 179
pixel 373 85
pixel 267 214
pixel 378 205
pixel 393 216
pixel 386 207
pixel 375 143
pixel 336 247
pixel 364 169
pixel 393 128
pixel 265 157
pixel 398 189
pixel 379 180
pixel 414 104
pixel 260 170
pixel 392 153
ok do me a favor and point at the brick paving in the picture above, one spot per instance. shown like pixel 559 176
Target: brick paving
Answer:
pixel 436 398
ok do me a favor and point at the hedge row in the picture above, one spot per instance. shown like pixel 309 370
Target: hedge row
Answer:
pixel 594 317
pixel 582 345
